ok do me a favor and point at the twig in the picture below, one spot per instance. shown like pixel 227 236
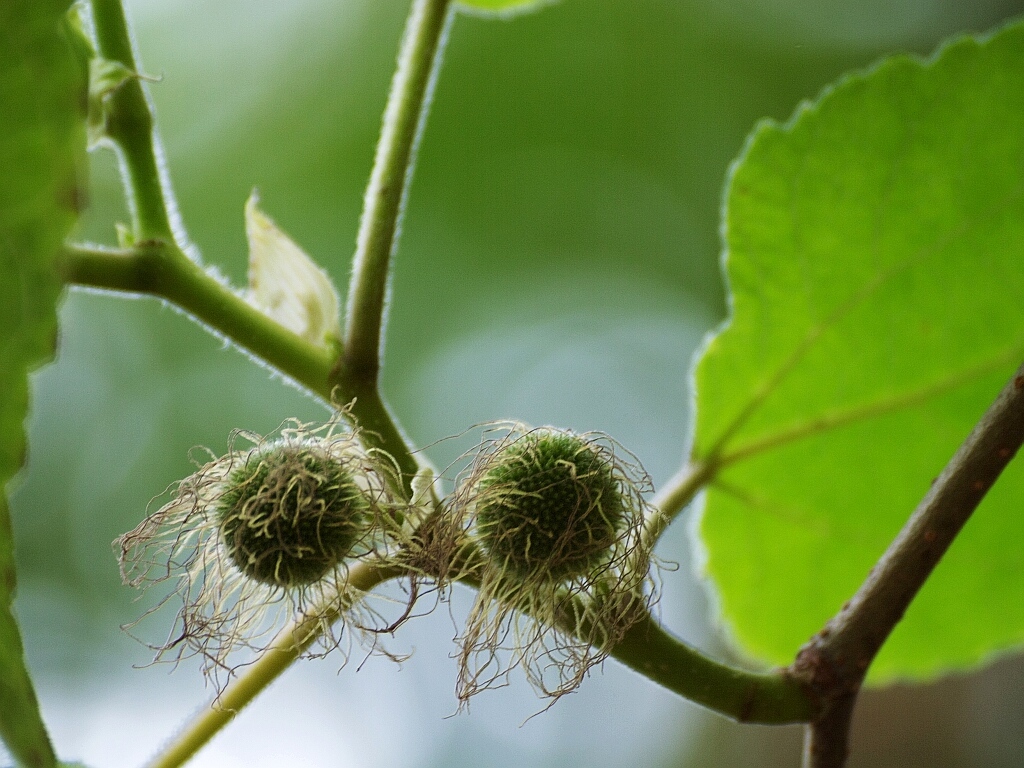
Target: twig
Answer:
pixel 836 660
pixel 288 646
pixel 158 268
pixel 130 129
pixel 357 368
pixel 674 496
pixel 774 697
pixel 404 117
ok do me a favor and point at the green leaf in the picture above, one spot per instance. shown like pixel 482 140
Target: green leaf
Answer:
pixel 875 253
pixel 41 140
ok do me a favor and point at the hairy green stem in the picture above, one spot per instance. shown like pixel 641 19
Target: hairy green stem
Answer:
pixel 130 128
pixel 379 428
pixel 356 371
pixel 160 269
pixel 288 646
pixel 404 117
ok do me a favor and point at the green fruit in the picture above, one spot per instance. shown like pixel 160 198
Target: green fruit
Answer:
pixel 290 514
pixel 549 506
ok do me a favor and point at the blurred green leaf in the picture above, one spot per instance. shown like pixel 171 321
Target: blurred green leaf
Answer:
pixel 41 140
pixel 875 260
pixel 503 6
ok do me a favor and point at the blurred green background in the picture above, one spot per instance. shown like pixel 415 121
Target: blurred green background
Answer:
pixel 558 264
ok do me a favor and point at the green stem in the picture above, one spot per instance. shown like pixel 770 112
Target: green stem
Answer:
pixel 752 697
pixel 770 698
pixel 379 429
pixel 288 646
pixel 674 496
pixel 408 102
pixel 160 269
pixel 130 128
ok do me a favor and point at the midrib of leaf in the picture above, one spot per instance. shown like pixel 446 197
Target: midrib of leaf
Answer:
pixel 842 418
pixel 718 455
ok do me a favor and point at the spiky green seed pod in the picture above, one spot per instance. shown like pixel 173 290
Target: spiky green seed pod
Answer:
pixel 557 517
pixel 290 514
pixel 549 504
pixel 262 534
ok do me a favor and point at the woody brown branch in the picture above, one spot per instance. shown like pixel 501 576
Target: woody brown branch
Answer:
pixel 834 662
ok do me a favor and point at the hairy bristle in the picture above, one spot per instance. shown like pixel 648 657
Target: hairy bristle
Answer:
pixel 557 517
pixel 290 514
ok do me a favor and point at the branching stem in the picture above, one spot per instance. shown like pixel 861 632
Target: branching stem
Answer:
pixel 160 267
pixel 836 660
pixel 157 268
pixel 774 698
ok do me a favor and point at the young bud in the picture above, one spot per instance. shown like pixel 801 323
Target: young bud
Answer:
pixel 290 514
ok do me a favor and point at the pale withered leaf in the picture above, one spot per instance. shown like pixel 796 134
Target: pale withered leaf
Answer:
pixel 286 284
